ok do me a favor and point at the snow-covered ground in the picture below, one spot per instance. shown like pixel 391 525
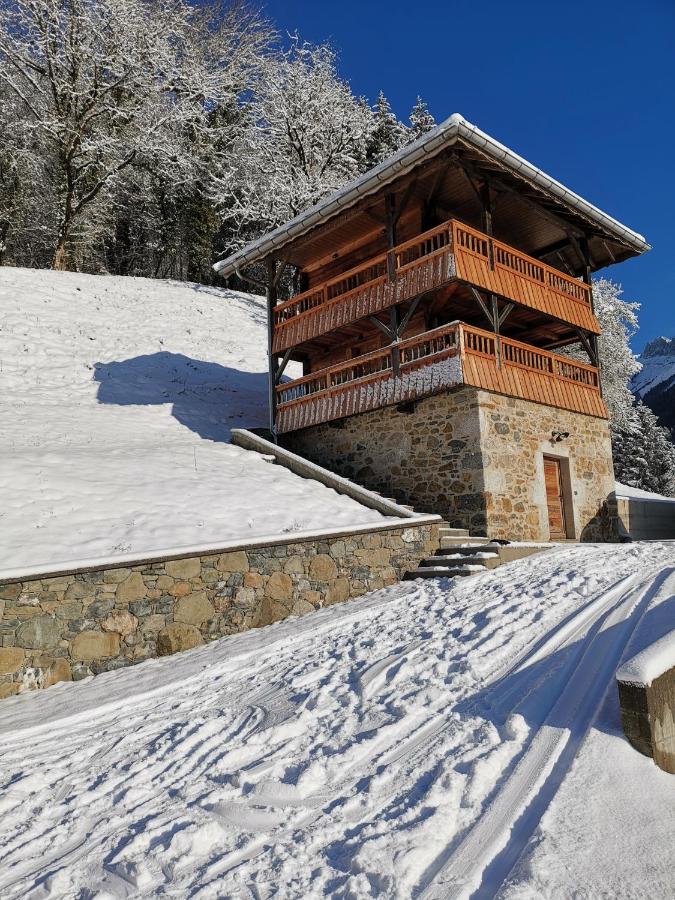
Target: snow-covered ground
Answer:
pixel 428 740
pixel 117 396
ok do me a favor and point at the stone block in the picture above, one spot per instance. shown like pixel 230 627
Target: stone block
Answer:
pixel 164 582
pixel 279 587
pixel 152 624
pixel 78 590
pixel 10 592
pixel 59 670
pixel 194 609
pixel 9 688
pixel 120 621
pixel 143 607
pixel 99 608
pixel 132 588
pixel 322 568
pixel 177 637
pixel 301 608
pixel 270 611
pixel 91 645
pixel 11 660
pixel 253 580
pixel 72 610
pixel 115 576
pixel 180 589
pixel 294 565
pixel 183 569
pixel 236 561
pixel 338 592
pixel 39 633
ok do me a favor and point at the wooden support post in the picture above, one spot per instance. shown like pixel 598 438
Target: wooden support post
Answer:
pixel 586 274
pixel 494 303
pixel 271 303
pixel 486 216
pixel 394 325
pixel 390 211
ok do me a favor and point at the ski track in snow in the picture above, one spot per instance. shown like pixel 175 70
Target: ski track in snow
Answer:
pixel 400 745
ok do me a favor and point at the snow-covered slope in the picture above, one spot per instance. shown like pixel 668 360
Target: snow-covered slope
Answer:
pixel 655 382
pixel 117 396
pixel 409 743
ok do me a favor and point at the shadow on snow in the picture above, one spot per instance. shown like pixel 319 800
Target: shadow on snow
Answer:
pixel 206 397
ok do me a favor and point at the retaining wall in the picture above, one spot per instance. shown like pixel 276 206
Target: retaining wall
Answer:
pixel 62 625
pixel 647 519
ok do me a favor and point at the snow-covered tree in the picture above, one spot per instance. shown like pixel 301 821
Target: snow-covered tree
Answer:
pixel 387 134
pixel 619 323
pixel 306 138
pixel 106 83
pixel 644 455
pixel 420 119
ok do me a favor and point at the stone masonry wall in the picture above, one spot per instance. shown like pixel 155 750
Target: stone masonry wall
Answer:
pixel 71 625
pixel 475 458
pixel 515 437
pixel 428 455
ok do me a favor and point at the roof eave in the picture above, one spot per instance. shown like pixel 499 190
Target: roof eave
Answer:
pixel 441 137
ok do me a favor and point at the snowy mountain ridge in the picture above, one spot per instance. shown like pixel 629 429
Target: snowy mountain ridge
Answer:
pixel 654 384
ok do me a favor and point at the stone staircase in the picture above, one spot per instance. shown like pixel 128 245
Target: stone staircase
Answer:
pixel 459 555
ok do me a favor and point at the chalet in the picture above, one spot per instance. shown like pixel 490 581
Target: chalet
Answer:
pixel 435 298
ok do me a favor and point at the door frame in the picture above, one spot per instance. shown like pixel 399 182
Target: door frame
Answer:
pixel 567 495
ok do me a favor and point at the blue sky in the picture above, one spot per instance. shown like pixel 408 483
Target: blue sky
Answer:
pixel 585 90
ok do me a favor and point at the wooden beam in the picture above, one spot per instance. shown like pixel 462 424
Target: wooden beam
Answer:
pixel 271 267
pixel 483 305
pixel 505 312
pixel 282 365
pixel 383 328
pixel 408 316
pixel 404 201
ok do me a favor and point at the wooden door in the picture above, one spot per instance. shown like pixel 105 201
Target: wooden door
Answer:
pixel 554 499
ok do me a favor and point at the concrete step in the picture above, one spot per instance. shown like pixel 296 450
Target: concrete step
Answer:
pixel 446 531
pixel 452 542
pixel 443 572
pixel 457 560
pixel 492 549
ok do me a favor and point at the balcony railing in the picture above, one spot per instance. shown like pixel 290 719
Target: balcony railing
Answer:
pixel 435 361
pixel 448 252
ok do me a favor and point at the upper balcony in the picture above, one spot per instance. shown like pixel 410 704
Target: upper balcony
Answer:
pixel 451 252
pixel 453 355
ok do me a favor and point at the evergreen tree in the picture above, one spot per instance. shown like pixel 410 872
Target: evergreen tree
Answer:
pixel 644 455
pixel 420 119
pixel 387 134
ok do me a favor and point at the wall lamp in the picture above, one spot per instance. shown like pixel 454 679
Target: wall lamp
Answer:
pixel 558 436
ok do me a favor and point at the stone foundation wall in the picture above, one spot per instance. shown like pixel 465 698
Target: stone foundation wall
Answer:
pixel 71 625
pixel 476 458
pixel 428 456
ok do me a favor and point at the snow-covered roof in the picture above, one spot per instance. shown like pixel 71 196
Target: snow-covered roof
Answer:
pixel 449 132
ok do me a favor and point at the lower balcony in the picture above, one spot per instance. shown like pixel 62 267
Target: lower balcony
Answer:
pixel 453 355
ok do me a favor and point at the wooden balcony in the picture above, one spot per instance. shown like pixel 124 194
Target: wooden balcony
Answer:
pixel 446 357
pixel 450 252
